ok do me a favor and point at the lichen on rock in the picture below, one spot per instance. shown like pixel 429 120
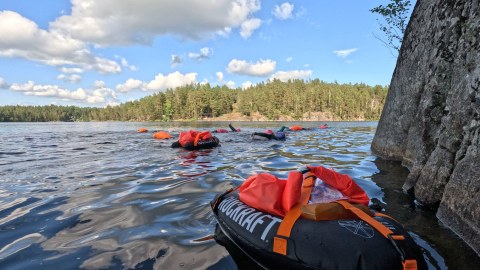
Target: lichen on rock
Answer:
pixel 431 118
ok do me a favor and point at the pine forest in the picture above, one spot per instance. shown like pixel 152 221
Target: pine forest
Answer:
pixel 275 100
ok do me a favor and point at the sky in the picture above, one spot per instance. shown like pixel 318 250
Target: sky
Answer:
pixel 96 53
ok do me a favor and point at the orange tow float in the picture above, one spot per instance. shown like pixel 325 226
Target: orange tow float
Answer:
pixel 162 135
pixel 296 128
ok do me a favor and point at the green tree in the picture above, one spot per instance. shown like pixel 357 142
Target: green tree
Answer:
pixel 395 18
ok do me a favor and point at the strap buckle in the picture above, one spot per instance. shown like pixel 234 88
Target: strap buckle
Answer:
pixel 409 264
pixel 392 239
pixel 280 245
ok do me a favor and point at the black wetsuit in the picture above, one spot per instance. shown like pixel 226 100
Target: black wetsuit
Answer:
pixel 269 136
pixel 232 128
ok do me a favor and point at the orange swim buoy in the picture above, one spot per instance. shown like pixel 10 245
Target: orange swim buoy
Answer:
pixel 296 128
pixel 142 130
pixel 162 135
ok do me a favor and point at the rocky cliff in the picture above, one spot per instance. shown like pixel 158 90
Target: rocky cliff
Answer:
pixel 431 120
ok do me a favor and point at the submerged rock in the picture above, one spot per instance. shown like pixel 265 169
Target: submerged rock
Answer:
pixel 431 119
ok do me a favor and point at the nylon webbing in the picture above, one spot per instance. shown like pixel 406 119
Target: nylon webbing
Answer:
pixel 409 264
pixel 195 142
pixel 387 216
pixel 368 219
pixel 285 228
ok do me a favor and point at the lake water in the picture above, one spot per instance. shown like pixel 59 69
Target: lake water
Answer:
pixel 102 196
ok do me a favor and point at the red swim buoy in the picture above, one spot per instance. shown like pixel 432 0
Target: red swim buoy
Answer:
pixel 162 135
pixel 142 130
pixel 296 128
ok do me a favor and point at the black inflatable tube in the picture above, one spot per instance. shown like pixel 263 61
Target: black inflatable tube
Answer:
pixel 202 144
pixel 338 244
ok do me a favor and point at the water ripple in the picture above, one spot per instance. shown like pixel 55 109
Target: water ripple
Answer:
pixel 101 196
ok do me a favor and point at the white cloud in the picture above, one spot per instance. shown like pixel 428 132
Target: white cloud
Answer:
pixel 261 68
pixel 21 37
pixel 230 84
pixel 72 78
pixel 129 85
pixel 99 84
pixel 225 32
pixel 247 84
pixel 345 53
pixel 100 94
pixel 113 22
pixel 219 76
pixel 204 53
pixel 284 11
pixel 71 70
pixel 175 60
pixel 125 64
pixel 107 66
pixel 291 75
pixel 249 26
pixel 28 86
pixel 289 59
pixel 112 104
pixel 3 84
pixel 172 80
pixel 159 83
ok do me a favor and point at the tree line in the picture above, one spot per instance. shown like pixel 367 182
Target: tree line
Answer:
pixel 273 99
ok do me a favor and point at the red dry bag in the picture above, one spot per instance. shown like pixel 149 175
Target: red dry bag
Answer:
pixel 267 193
pixel 342 183
pixel 193 136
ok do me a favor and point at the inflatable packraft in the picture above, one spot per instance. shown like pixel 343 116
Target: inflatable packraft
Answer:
pixel 194 140
pixel 343 234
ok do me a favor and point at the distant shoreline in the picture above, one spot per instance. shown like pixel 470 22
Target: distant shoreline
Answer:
pixel 201 121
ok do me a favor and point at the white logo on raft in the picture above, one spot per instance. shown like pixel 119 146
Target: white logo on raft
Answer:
pixel 243 215
pixel 358 228
pixel 204 142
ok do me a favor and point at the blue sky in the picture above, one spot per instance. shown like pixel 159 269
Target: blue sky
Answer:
pixel 95 53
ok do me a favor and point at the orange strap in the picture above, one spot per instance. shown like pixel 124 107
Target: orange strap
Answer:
pixel 377 214
pixel 285 228
pixel 197 138
pixel 409 265
pixel 386 232
pixel 368 219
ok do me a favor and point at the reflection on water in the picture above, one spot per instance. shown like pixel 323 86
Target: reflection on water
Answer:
pixel 100 195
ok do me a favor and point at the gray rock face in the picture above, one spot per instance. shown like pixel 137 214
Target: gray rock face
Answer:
pixel 431 119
